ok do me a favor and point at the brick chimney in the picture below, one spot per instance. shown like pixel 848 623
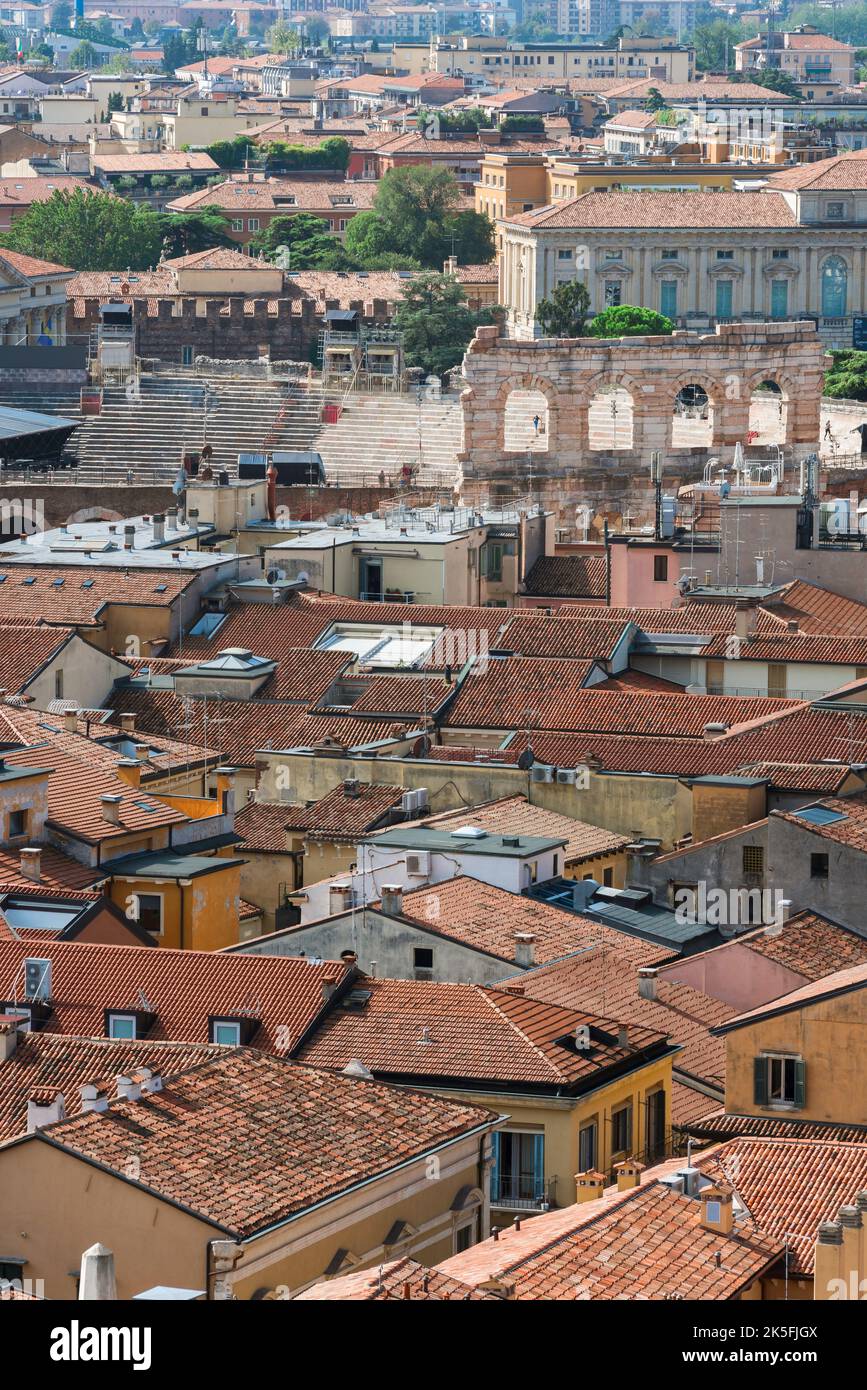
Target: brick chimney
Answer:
pixel 31 863
pixel 391 897
pixel 70 720
pixel 127 723
pixel 111 808
pixel 525 949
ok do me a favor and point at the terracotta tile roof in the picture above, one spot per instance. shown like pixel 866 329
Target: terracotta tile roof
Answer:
pixel 478 274
pixel 850 978
pixel 717 1124
pixel 567 576
pixel 340 815
pixel 393 1280
pixel 850 830
pixel 838 173
pixel 31 591
pixel 32 266
pixel 25 189
pixel 639 680
pixel 429 1031
pixel 404 695
pixel 248 1140
pixel 167 162
pixel 514 815
pixel 327 286
pixel 215 258
pixel 653 208
pixel 803 777
pixel 487 919
pixel 836 649
pixel 790 1186
pixel 692 617
pixel 638 120
pixel 24 650
pixel 646 1243
pixel 532 635
pixel 59 873
pixel 182 989
pixel 109 284
pixel 271 195
pixel 817 610
pixel 687 1104
pixel 546 694
pixel 812 946
pixel 262 825
pixel 603 978
pixel 64 1064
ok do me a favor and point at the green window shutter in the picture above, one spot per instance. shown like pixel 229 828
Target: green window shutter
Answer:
pixel 760 1081
pixel 801 1084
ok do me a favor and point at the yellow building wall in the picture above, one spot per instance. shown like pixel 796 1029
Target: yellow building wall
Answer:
pixel 201 916
pixel 595 868
pixel 718 809
pixel 831 1037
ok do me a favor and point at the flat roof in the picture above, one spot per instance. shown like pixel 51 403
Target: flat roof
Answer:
pixel 18 422
pixel 163 865
pixel 444 841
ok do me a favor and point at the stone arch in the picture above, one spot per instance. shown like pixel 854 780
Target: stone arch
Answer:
pixel 612 401
pixel 694 426
pixel 768 403
pixel 530 388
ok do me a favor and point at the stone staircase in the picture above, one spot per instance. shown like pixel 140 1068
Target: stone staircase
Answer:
pixel 382 433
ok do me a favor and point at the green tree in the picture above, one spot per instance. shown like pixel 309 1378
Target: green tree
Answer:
pixel 317 31
pixel 308 242
pixel 436 323
pixel 115 102
pixel 655 100
pixel 61 15
pixel 282 38
pixel 84 55
pixel 182 233
pixel 775 80
pixel 417 213
pixel 629 321
pixel 88 231
pixel 472 235
pixel 710 44
pixel 847 377
pixel 535 28
pixel 564 315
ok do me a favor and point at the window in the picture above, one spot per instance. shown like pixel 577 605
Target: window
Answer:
pixel 122 1027
pixel 464 1237
pixel 518 1172
pixel 607 878
pixel 621 1130
pixel 237 224
pixel 422 958
pixel 777 676
pixel 818 866
pixel 779 299
pixel 725 255
pixel 668 256
pixel 753 859
pixel 660 568
pixel 492 560
pixel 150 912
pixel 834 287
pixel 835 212
pixel 187 355
pixel 613 293
pixel 58 684
pixel 587 1148
pixel 252 224
pixel 616 255
pixel 17 824
pixel 226 1032
pixel 714 677
pixel 668 298
pixel 724 299
pixel 564 255
pixel 780 1080
pixel 779 253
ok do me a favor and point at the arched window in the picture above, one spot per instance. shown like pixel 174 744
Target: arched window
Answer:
pixel 834 286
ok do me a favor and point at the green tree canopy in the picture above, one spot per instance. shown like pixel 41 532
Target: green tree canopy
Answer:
pixel 710 44
pixel 629 321
pixel 282 38
pixel 847 377
pixel 88 231
pixel 310 244
pixel 417 213
pixel 84 55
pixel 182 233
pixel 564 314
pixel 775 80
pixel 436 322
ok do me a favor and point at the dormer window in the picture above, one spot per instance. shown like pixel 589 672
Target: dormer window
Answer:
pixel 122 1027
pixel 226 1034
pixel 227 1030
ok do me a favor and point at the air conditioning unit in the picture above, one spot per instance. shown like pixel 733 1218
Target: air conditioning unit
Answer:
pixel 566 776
pixel 418 865
pixel 541 774
pixel 37 978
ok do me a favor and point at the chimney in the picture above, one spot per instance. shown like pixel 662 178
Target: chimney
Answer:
pixel 172 518
pixel 717 1209
pixel 93 1099
pixel 745 619
pixel 130 771
pixel 193 518
pixel 849 1218
pixel 151 1081
pixel 31 863
pixel 792 625
pixel 349 958
pixel 339 898
pixel 111 808
pixel 142 752
pixel 391 898
pixel 450 266
pixel 8 1036
pixel 127 723
pixel 589 1186
pixel 127 1088
pixel 70 721
pixel 329 985
pixel 647 982
pixel 628 1174
pixel 622 1036
pixel 159 522
pixel 97 1283
pixel 828 1265
pixel 714 730
pixel 129 538
pixel 44 1107
pixel 525 949
pixel 225 779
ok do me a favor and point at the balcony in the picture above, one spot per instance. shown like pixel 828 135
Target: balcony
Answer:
pixel 523 1192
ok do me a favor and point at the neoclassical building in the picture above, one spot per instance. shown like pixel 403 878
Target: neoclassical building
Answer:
pixel 795 249
pixel 32 300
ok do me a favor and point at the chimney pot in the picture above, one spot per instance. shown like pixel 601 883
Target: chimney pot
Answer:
pixel 329 985
pixel 647 982
pixel 127 723
pixel 830 1233
pixel 141 752
pixel 391 897
pixel 525 948
pixel 70 720
pixel 127 1088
